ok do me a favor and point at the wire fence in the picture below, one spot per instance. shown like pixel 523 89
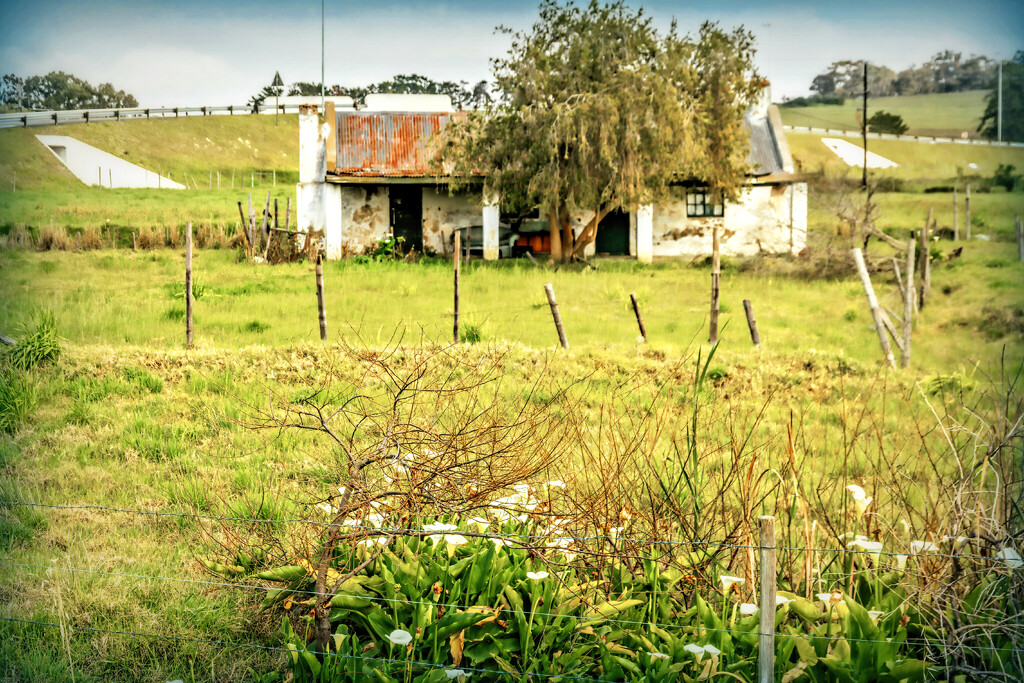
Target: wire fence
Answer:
pixel 26 119
pixel 696 631
pixel 905 138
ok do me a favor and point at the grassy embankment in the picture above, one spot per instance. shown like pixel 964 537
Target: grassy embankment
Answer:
pixel 937 115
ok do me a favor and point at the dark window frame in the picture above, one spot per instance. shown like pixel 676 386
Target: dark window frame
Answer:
pixel 697 205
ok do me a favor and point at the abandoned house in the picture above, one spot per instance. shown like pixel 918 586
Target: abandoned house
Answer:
pixel 364 176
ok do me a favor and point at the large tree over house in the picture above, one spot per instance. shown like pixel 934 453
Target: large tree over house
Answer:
pixel 596 110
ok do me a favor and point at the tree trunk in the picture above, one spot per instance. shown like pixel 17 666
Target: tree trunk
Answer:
pixel 568 238
pixel 556 236
pixel 589 232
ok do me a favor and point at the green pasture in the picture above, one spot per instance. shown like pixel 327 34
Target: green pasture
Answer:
pixel 919 162
pixel 135 298
pixel 939 115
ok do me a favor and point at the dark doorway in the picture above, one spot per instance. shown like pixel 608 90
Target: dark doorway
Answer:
pixel 407 215
pixel 613 234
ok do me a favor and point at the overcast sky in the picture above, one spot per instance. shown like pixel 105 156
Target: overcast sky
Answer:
pixel 191 53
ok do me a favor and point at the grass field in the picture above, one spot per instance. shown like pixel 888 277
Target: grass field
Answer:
pixel 128 418
pixel 242 305
pixel 940 115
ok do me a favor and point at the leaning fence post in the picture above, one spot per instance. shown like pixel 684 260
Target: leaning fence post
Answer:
pixel 321 306
pixel 715 276
pixel 457 253
pixel 908 305
pixel 188 285
pixel 751 323
pixel 639 320
pixel 554 314
pixel 876 315
pixel 766 646
pixel 924 265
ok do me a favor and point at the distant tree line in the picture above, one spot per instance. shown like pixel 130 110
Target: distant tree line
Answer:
pixel 59 90
pixel 461 94
pixel 947 71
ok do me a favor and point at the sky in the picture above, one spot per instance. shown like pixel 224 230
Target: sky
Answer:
pixel 219 52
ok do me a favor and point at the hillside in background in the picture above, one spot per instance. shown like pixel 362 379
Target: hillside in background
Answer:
pixel 940 115
pixel 189 150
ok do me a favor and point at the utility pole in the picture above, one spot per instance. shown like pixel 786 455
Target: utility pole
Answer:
pixel 864 128
pixel 999 107
pixel 322 110
pixel 277 96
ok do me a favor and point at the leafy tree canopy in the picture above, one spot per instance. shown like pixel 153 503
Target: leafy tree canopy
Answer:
pixel 61 91
pixel 1013 103
pixel 884 122
pixel 597 110
pixel 947 71
pixel 408 84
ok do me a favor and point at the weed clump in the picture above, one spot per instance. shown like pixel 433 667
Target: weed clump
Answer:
pixel 54 239
pixel 37 347
pixel 18 398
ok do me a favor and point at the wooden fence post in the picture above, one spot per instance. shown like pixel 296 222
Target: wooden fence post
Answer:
pixel 188 285
pixel 1020 235
pixel 956 218
pixel 252 228
pixel 554 314
pixel 751 323
pixel 766 645
pixel 457 255
pixel 321 306
pixel 715 274
pixel 967 213
pixel 924 261
pixel 876 315
pixel 908 305
pixel 639 320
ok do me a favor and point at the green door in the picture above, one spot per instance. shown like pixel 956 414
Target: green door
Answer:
pixel 613 234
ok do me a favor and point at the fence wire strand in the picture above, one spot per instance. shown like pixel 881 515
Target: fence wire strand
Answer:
pixel 397 531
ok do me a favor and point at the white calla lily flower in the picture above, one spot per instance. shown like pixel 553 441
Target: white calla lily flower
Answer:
pixel 729 581
pixel 536 576
pixel 918 547
pixel 657 655
pixel 860 498
pixel 1011 557
pixel 748 608
pixel 400 637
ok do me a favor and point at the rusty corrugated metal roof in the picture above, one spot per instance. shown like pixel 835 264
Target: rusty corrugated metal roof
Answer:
pixel 386 144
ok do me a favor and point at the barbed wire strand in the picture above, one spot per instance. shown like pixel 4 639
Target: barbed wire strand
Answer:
pixel 372 530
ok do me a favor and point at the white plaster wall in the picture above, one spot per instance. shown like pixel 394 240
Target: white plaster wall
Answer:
pixel 443 213
pixel 310 193
pixel 403 102
pixel 760 222
pixel 365 217
pixel 95 167
pixel 332 221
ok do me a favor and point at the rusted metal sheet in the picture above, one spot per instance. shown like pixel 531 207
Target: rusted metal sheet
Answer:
pixel 764 155
pixel 387 144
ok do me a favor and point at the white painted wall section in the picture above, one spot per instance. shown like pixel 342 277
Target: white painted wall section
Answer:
pixel 310 193
pixel 333 242
pixel 645 233
pixel 490 230
pixel 98 168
